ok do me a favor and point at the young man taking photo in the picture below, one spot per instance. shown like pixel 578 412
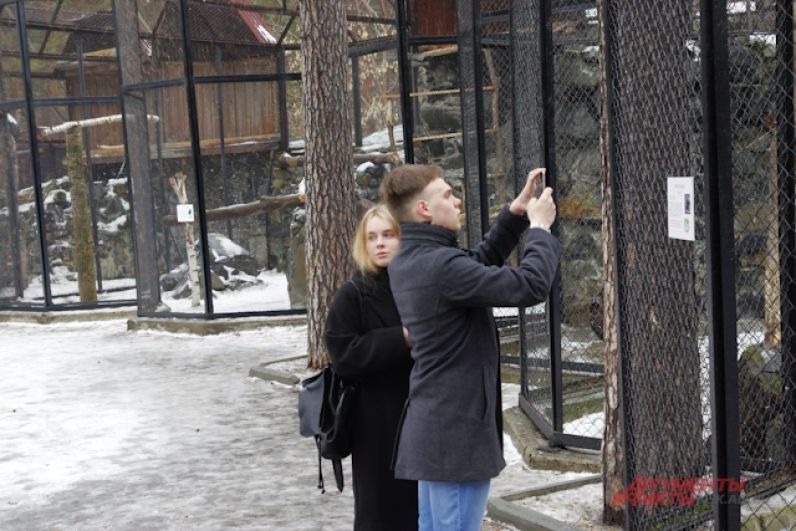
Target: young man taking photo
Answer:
pixel 451 437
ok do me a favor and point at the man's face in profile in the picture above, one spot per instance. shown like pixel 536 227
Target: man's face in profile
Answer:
pixel 442 206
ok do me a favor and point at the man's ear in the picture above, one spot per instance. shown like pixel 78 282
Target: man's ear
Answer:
pixel 421 209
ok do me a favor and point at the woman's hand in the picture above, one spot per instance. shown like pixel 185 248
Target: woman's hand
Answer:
pixel 408 339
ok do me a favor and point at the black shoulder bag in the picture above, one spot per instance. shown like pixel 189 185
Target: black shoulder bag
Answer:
pixel 326 412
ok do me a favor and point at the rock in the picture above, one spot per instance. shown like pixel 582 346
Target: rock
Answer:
pixel 575 69
pixel 225 253
pixel 578 121
pixel 247 264
pixel 183 291
pixel 760 401
pixel 217 282
pixel 173 278
pixel 441 118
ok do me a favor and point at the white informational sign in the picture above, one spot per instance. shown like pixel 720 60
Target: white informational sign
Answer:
pixel 184 213
pixel 680 193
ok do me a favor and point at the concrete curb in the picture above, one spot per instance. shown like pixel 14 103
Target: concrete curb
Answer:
pixel 528 440
pixel 522 518
pixel 71 316
pixel 274 375
pixel 501 507
pixel 204 327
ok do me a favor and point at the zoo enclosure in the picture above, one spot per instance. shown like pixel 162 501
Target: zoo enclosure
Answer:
pixel 219 87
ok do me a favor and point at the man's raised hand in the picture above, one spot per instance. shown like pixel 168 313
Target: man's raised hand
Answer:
pixel 542 210
pixel 520 204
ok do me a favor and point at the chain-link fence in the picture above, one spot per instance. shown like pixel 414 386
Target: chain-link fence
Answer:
pixel 761 72
pixel 562 385
pixel 656 118
pixel 660 120
pixel 577 162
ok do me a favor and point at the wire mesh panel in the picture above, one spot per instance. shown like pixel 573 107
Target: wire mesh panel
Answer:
pixel 68 205
pixel 471 86
pixel 657 135
pixel 497 126
pixel 577 156
pixel 566 396
pixel 764 170
pixel 528 140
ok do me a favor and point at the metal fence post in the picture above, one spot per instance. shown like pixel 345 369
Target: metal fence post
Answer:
pixel 34 152
pixel 554 301
pixel 405 75
pixel 193 121
pixel 721 259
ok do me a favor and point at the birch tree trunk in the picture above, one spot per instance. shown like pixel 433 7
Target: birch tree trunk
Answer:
pixel 331 201
pixel 81 216
pixel 177 184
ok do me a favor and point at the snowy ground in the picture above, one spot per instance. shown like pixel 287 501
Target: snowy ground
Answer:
pixel 105 429
pixel 559 505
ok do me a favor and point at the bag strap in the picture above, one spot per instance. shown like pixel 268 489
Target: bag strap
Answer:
pixel 361 303
pixel 320 470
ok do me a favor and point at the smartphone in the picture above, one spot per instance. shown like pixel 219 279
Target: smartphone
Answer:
pixel 541 183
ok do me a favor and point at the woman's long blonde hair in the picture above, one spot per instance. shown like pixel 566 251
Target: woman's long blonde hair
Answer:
pixel 360 248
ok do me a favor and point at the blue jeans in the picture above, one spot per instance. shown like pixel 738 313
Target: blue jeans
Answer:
pixel 448 506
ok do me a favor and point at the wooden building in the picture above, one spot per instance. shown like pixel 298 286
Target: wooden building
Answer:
pixel 224 42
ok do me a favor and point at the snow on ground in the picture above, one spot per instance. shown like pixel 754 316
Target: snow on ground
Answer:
pixel 102 428
pixel 271 294
pixel 591 425
pixel 64 282
pixel 581 507
pixel 113 226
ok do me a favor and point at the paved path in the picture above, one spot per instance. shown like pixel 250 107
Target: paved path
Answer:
pixel 102 429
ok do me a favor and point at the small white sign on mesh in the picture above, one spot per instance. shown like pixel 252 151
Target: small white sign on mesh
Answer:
pixel 185 213
pixel 680 195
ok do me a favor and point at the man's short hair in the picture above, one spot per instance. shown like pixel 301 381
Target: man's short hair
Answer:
pixel 401 186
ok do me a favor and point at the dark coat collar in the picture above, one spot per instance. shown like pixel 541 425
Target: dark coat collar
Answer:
pixel 426 232
pixel 374 281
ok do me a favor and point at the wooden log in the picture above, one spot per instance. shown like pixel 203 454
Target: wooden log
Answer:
pixel 264 204
pixel 179 149
pixel 287 161
pixel 90 122
pixel 422 93
pixel 436 52
pixel 443 136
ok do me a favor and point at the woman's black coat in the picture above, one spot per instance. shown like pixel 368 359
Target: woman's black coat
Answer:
pixel 365 339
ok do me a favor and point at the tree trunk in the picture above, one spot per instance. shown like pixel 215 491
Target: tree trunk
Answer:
pixel 772 335
pixel 8 196
pixel 660 279
pixel 81 216
pixel 331 206
pixel 613 454
pixel 177 184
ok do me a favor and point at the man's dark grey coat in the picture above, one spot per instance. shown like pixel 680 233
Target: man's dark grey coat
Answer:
pixel 451 429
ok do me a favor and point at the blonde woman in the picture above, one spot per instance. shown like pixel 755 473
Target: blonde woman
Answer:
pixel 369 347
